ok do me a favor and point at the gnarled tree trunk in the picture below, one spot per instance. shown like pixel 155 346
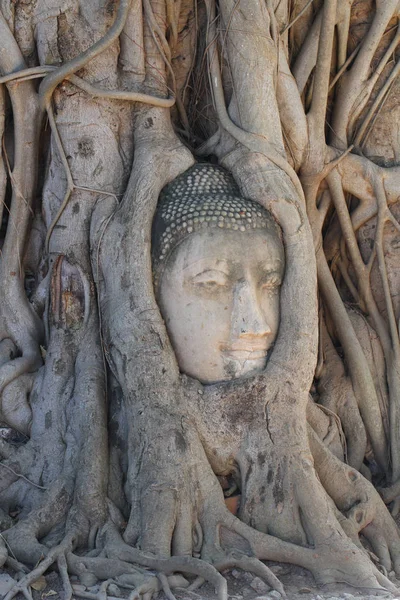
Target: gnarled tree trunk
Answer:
pixel 112 459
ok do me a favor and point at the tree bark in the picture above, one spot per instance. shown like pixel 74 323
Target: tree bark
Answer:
pixel 112 463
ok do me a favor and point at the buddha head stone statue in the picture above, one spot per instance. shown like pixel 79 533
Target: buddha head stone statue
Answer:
pixel 218 263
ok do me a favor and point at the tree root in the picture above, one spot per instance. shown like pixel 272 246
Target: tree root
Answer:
pixel 63 570
pixel 3 552
pixel 339 561
pixel 336 561
pixel 165 586
pixel 121 568
pixel 253 565
pixel 360 503
pixel 208 568
pixel 116 547
pixel 24 584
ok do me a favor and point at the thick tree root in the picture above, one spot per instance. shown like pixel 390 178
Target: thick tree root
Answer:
pixel 360 503
pixel 116 547
pixel 326 563
pixel 119 564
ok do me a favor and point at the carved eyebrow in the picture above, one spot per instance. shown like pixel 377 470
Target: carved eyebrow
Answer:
pixel 210 275
pixel 203 265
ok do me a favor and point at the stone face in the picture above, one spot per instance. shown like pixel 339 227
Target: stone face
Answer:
pixel 217 287
pixel 222 314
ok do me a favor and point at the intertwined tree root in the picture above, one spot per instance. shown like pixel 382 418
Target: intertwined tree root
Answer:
pixel 93 322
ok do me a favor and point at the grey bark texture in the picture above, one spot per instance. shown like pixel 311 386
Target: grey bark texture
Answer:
pixel 112 461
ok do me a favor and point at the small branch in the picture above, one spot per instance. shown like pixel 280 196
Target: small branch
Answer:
pixel 357 173
pixel 374 107
pixel 358 74
pixel 343 27
pixel 358 367
pixel 63 570
pixel 297 17
pixel 19 475
pixel 317 112
pixel 70 183
pixel 375 116
pixel 26 74
pixel 165 586
pixel 253 565
pixel 19 321
pixel 383 218
pixel 27 121
pixel 360 268
pixel 92 90
pixel 52 80
pixel 121 94
pixel 344 67
pixel 156 29
pixel 348 281
pixel 307 56
pixel 173 18
pixel 393 358
pixel 366 92
pixel 291 111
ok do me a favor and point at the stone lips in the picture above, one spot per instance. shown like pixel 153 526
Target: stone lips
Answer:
pixel 204 196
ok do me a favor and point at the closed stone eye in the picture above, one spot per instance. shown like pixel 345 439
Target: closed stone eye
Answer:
pixel 211 279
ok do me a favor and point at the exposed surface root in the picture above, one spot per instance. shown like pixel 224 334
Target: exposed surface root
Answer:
pixel 23 585
pixel 360 503
pixel 252 565
pixel 116 547
pixel 59 478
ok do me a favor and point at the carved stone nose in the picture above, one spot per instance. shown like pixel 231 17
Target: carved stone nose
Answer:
pixel 248 320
